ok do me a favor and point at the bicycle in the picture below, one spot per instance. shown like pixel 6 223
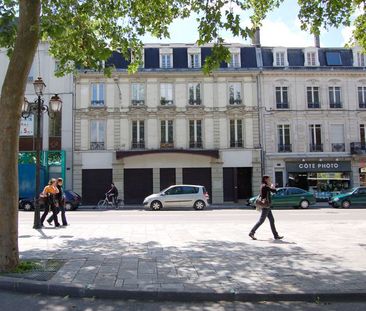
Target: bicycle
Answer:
pixel 105 203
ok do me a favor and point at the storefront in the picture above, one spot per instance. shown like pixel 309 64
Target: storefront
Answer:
pixel 324 178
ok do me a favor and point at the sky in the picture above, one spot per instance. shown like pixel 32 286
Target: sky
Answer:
pixel 281 28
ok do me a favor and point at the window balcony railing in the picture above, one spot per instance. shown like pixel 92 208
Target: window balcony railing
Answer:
pixel 164 145
pixel 314 105
pixel 195 144
pixel 97 145
pixel 138 145
pixel 358 148
pixel 362 105
pixel 194 102
pixel 97 103
pixel 137 102
pixel 166 102
pixel 335 105
pixel 236 144
pixel 237 101
pixel 338 147
pixel 284 148
pixel 316 147
pixel 282 105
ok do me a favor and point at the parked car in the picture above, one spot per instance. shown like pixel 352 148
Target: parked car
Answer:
pixel 353 197
pixel 72 201
pixel 289 196
pixel 179 196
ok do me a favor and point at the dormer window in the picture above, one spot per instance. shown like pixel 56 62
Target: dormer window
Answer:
pixel 234 58
pixel 166 58
pixel 311 57
pixel 359 57
pixel 194 58
pixel 280 57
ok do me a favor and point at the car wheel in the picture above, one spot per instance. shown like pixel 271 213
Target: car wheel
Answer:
pixel 304 204
pixel 156 205
pixel 346 204
pixel 69 206
pixel 199 205
pixel 27 206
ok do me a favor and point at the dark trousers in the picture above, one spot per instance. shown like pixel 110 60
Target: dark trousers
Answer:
pixel 63 215
pixel 54 210
pixel 266 212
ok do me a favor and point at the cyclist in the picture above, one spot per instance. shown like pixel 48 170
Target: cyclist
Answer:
pixel 112 194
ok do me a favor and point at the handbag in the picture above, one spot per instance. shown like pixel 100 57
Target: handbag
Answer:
pixel 261 203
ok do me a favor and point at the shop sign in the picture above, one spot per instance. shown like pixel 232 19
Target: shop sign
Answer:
pixel 26 126
pixel 320 166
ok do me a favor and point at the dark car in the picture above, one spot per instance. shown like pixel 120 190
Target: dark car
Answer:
pixel 353 197
pixel 72 201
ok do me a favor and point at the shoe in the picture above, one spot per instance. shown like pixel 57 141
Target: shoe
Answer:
pixel 279 237
pixel 252 236
pixel 49 222
pixel 64 225
pixel 58 225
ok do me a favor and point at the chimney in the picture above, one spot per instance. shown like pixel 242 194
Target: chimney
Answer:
pixel 256 39
pixel 317 41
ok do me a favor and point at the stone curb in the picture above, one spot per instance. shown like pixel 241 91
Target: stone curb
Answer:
pixel 81 291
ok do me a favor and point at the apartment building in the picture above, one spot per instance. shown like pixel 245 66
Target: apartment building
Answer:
pixel 169 124
pixel 57 130
pixel 313 113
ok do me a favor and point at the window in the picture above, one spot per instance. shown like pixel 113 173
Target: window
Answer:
pixel 335 97
pixel 97 134
pixel 295 191
pixel 174 191
pixel 166 60
pixel 236 134
pixel 194 60
pixel 166 94
pixel 284 143
pixel 362 134
pixel 337 137
pixel 315 138
pixel 190 190
pixel 282 97
pixel 234 60
pixel 97 95
pixel 195 134
pixel 361 59
pixel 166 130
pixel 311 58
pixel 235 93
pixel 313 97
pixel 333 58
pixel 194 93
pixel 32 73
pixel 138 94
pixel 280 59
pixel 54 124
pixel 362 96
pixel 138 134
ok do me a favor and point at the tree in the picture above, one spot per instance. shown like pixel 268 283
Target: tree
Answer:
pixel 82 33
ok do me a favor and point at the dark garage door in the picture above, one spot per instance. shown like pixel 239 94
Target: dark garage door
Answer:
pixel 138 185
pixel 198 176
pixel 237 183
pixel 167 177
pixel 95 184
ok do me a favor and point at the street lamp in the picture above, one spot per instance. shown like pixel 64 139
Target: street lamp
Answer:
pixel 37 108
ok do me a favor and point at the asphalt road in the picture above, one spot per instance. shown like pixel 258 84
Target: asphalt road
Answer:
pixel 15 301
pixel 186 215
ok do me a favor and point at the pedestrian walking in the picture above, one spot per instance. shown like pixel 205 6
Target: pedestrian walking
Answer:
pixel 60 197
pixel 49 195
pixel 264 201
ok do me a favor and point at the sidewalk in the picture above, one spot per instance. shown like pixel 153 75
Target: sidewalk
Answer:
pixel 200 261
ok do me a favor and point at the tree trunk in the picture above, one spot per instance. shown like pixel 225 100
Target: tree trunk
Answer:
pixel 12 95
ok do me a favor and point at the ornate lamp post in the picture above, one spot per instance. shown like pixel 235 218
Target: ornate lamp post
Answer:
pixel 37 108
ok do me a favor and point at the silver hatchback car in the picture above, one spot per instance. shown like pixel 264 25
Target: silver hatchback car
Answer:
pixel 179 196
